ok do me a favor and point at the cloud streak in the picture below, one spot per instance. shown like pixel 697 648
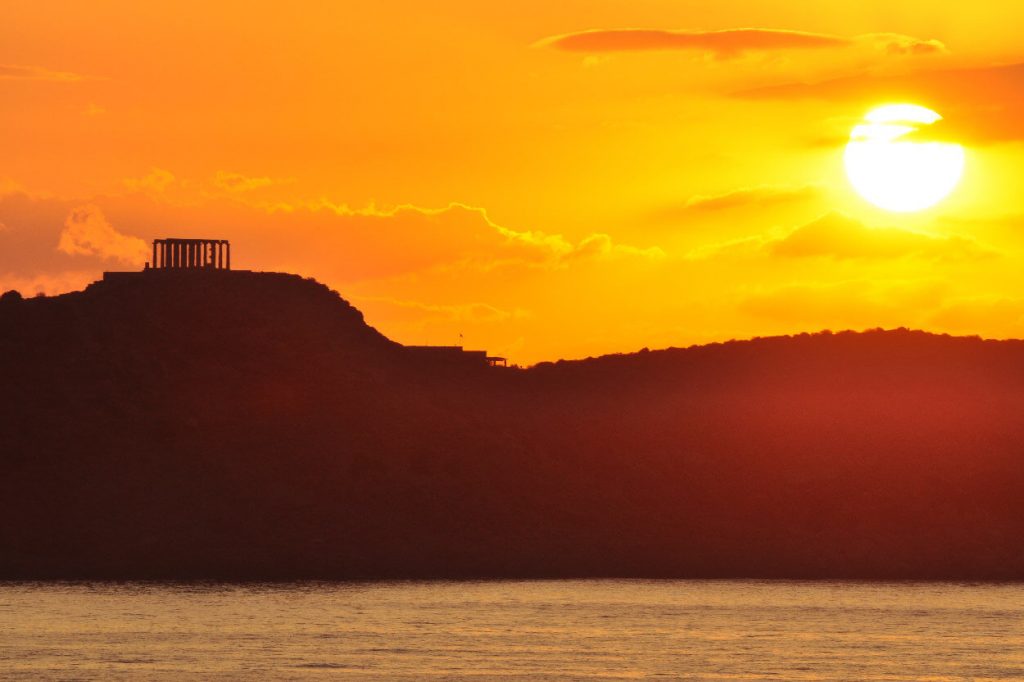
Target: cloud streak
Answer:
pixel 236 182
pixel 731 43
pixel 851 304
pixel 37 73
pixel 982 105
pixel 505 245
pixel 762 196
pixel 837 236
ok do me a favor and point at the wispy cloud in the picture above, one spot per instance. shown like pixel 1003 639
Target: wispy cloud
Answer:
pixel 38 73
pixel 157 180
pixel 850 304
pixel 730 43
pixel 237 182
pixel 760 196
pixel 835 235
pixel 839 237
pixel 984 104
pixel 969 314
pixel 87 232
pixel 534 247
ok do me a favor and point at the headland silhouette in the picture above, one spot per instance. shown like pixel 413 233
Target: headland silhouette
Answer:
pixel 202 422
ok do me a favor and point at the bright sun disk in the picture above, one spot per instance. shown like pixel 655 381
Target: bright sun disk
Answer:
pixel 900 174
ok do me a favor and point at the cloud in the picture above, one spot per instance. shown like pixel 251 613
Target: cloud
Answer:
pixel 163 185
pixel 157 180
pixel 723 43
pixel 87 232
pixel 762 196
pixel 37 73
pixel 471 239
pixel 730 43
pixel 898 44
pixel 853 304
pixel 837 236
pixel 980 105
pixel 559 250
pixel 968 315
pixel 601 245
pixel 236 182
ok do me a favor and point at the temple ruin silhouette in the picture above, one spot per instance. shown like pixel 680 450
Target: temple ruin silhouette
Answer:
pixel 172 253
pixel 174 257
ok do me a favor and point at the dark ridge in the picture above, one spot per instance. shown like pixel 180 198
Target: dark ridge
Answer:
pixel 252 426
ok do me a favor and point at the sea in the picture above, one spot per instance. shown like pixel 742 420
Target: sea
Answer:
pixel 508 630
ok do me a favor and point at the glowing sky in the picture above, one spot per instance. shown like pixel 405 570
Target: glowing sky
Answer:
pixel 550 179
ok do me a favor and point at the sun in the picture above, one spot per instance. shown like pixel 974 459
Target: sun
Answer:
pixel 893 171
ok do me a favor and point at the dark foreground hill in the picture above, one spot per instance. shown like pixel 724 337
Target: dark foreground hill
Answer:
pixel 253 426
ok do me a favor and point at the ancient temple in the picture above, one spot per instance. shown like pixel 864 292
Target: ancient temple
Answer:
pixel 173 254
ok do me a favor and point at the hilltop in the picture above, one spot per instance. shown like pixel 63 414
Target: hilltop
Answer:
pixel 254 426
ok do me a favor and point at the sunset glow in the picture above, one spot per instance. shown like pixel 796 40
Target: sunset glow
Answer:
pixel 540 340
pixel 550 180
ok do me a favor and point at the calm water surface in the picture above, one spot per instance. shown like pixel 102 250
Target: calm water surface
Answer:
pixel 602 629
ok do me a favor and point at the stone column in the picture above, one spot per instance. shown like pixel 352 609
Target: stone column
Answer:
pixel 228 266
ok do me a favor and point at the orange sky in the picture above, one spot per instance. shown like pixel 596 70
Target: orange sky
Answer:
pixel 535 175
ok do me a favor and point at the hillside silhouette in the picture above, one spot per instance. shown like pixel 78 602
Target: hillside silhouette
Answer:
pixel 253 426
